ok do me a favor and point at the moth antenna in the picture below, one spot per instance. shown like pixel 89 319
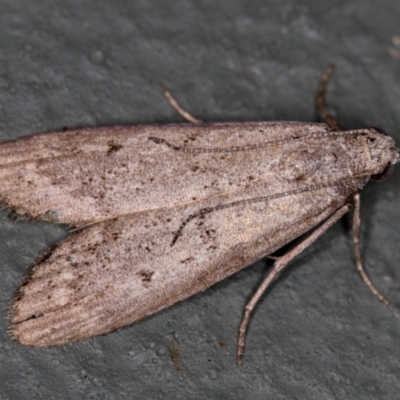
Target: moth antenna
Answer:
pixel 178 108
pixel 330 120
pixel 357 251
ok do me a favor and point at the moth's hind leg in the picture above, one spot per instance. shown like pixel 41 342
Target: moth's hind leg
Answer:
pixel 279 265
pixel 178 108
pixel 330 120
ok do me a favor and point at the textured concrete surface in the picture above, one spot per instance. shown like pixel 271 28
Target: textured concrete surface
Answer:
pixel 319 333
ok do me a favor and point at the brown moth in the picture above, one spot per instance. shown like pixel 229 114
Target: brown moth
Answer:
pixel 165 211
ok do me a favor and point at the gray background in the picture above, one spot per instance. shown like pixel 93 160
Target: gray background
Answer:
pixel 319 333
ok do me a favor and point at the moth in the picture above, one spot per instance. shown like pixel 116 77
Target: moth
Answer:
pixel 162 212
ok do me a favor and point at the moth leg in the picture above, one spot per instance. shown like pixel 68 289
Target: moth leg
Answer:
pixel 356 240
pixel 178 108
pixel 279 265
pixel 330 120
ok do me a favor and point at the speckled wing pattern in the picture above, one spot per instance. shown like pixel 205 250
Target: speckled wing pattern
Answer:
pixel 243 190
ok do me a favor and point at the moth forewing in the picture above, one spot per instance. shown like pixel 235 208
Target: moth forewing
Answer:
pixel 120 271
pixel 89 175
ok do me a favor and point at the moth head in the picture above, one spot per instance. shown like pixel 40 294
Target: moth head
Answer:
pixel 384 153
